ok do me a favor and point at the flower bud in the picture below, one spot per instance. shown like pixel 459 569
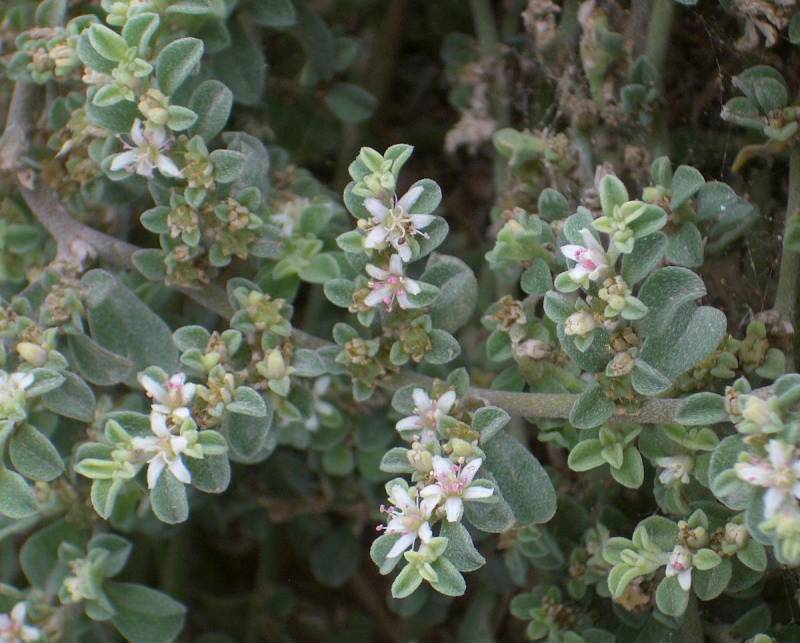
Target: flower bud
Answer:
pixel 276 365
pixel 580 323
pixel 32 353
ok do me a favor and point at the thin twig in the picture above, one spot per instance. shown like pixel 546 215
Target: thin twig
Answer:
pixel 786 295
pixel 16 136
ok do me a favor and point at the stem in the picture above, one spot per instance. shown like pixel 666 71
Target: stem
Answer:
pixel 16 136
pixel 786 295
pixel 488 41
pixel 57 221
pixel 658 33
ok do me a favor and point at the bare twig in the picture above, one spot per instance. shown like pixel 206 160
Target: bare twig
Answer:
pixel 16 136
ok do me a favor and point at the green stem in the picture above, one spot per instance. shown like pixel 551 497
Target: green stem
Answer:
pixel 486 29
pixel 658 32
pixel 786 294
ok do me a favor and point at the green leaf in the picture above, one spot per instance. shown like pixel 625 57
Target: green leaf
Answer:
pixel 241 66
pixel 339 292
pixel 592 408
pixel 144 615
pixel 444 347
pixel 150 263
pixel 685 184
pixel 335 558
pixel 586 455
pixel 212 102
pixel 248 401
pixel 350 103
pixel 176 62
pixel 39 559
pixel 712 582
pixel 460 548
pixel 523 482
pixel 17 499
pixel 665 292
pixel 247 436
pixel 612 193
pixel 108 43
pixel 273 13
pixel 168 499
pixel 121 323
pixel 685 247
pixel 631 473
pixel 96 364
pixel 407 581
pixel 552 205
pixel 671 599
pixel 753 555
pixel 118 550
pixel 33 455
pixel 488 421
pixel 458 291
pixel 449 580
pixel 228 165
pixel 537 279
pixel 73 399
pixel 702 409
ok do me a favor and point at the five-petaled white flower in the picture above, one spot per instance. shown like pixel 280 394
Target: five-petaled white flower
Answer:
pixel 12 387
pixel 164 450
pixel 13 628
pixel 408 518
pixel 172 398
pixel 146 153
pixel 390 285
pixel 395 225
pixel 680 565
pixel 590 260
pixel 427 413
pixel 779 474
pixel 453 485
pixel 675 469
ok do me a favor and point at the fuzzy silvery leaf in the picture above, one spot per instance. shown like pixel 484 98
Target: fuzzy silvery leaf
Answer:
pixel 685 246
pixel 144 615
pixel 73 399
pixel 557 306
pixel 488 420
pixel 444 347
pixel 753 555
pixel 335 557
pixel 612 193
pixel 460 548
pixel 686 182
pixel 246 435
pixel 17 499
pixel 647 380
pixel 140 29
pixel 241 65
pixel 552 205
pixel 247 401
pixel 121 323
pixel 189 337
pixel 537 279
pixel 211 474
pixel 734 492
pixel 212 102
pixel 449 580
pixel 117 548
pixel 710 583
pixel 381 546
pixel 702 409
pixel 522 481
pixel 631 473
pixel 150 263
pixel 39 555
pixel 273 13
pixel 592 359
pixel 498 346
pixel 671 599
pixel 107 42
pixel 350 103
pixel 168 499
pixel 665 292
pixel 44 381
pixel 458 291
pixel 406 582
pixel 176 62
pixel 586 455
pixel 33 455
pixel 395 460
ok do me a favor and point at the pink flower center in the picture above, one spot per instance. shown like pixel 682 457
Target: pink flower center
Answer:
pixel 582 258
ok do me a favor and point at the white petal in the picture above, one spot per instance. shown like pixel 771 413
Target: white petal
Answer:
pixel 145 444
pixel 425 533
pixel 376 208
pixel 453 508
pixel 404 542
pixel 18 612
pixel 591 242
pixel 137 133
pixel 123 160
pixel 154 471
pixel 476 491
pixel 685 579
pixel 446 401
pixel 376 237
pixel 441 466
pixel 178 443
pixel 779 453
pixel 376 273
pixel 153 388
pixel 410 197
pixel 396 265
pixel 772 500
pixel 403 249
pixel 420 221
pixel 409 423
pixel 578 272
pixel 421 399
pixel 469 471
pixel 411 286
pixel 377 296
pixel 167 166
pixel 429 504
pixel 158 425
pixel 399 497
pixel 179 470
pixel 571 251
pixel 431 491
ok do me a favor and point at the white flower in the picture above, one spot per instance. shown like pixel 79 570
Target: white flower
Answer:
pixel 390 285
pixel 12 387
pixel 395 225
pixel 427 413
pixel 453 485
pixel 408 518
pixel 171 399
pixel 778 474
pixel 164 450
pixel 13 628
pixel 590 260
pixel 145 153
pixel 680 565
pixel 675 468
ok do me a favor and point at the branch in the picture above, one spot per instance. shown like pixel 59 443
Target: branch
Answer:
pixel 16 136
pixel 786 295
